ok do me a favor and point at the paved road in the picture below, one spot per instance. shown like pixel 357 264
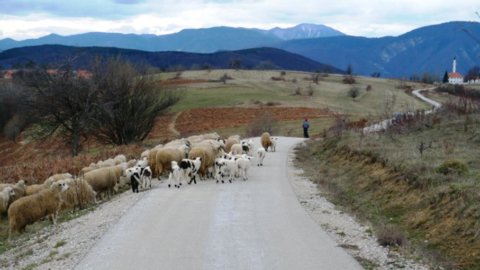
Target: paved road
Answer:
pixel 257 224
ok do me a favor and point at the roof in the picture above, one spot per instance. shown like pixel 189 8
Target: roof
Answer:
pixel 455 75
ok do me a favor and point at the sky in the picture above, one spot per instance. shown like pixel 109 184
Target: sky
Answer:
pixel 23 19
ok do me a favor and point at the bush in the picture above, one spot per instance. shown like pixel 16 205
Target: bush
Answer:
pixel 391 236
pixel 348 79
pixel 452 166
pixel 354 92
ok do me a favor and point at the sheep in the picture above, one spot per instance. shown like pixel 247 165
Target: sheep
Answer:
pixel 78 195
pixel 243 163
pixel 19 188
pixel 133 162
pixel 5 196
pixel 146 177
pixel 119 159
pixel 247 146
pixel 175 174
pixel 106 163
pixel 202 137
pixel 231 168
pixel 145 154
pixel 32 189
pixel 274 141
pixel 29 209
pixel 231 141
pixel 103 180
pixel 165 156
pixel 134 175
pixel 191 167
pixel 266 140
pixel 261 155
pixel 207 156
pixel 59 176
pixel 236 149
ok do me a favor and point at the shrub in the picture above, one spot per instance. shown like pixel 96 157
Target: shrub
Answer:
pixel 348 79
pixel 391 236
pixel 452 166
pixel 354 92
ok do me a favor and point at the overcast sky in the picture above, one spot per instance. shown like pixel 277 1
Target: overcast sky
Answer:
pixel 21 19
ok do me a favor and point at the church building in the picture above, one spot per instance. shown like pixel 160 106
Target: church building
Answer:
pixel 454 77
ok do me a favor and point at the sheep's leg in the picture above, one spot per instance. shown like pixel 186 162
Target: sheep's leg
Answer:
pixel 170 175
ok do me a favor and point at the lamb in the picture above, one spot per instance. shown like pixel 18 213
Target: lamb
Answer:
pixel 146 177
pixel 266 140
pixel 134 174
pixel 29 209
pixel 32 189
pixel 247 146
pixel 231 168
pixel 261 155
pixel 175 174
pixel 103 180
pixel 243 163
pixel 78 195
pixel 5 196
pixel 274 141
pixel 191 167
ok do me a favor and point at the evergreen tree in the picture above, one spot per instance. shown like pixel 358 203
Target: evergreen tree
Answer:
pixel 445 77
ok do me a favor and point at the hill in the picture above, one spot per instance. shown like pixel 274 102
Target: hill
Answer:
pixel 265 58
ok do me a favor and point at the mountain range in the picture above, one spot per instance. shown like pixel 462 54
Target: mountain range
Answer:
pixel 429 49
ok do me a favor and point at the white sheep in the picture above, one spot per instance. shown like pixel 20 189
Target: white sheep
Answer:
pixel 175 175
pixel 274 141
pixel 243 163
pixel 5 196
pixel 261 153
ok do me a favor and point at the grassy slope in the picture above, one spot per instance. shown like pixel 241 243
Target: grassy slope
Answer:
pixel 249 86
pixel 387 180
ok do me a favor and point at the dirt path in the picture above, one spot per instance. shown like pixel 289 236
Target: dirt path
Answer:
pixel 171 126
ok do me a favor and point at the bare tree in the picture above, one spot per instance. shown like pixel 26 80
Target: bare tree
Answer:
pixel 128 102
pixel 61 100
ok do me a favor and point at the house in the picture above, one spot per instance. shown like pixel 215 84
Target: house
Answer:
pixel 454 77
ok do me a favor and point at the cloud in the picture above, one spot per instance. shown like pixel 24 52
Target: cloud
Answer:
pixel 373 18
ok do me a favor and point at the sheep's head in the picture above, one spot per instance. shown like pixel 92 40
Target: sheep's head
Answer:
pixel 9 191
pixel 60 186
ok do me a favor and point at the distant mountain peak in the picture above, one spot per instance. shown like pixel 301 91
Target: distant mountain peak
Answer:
pixel 305 30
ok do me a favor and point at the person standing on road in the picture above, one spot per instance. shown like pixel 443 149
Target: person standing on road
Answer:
pixel 306 125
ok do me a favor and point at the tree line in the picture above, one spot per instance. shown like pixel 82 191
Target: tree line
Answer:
pixel 117 104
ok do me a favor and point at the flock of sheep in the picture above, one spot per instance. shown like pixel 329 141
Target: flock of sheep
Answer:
pixel 183 160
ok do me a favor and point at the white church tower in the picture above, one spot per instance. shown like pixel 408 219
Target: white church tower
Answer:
pixel 454 77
